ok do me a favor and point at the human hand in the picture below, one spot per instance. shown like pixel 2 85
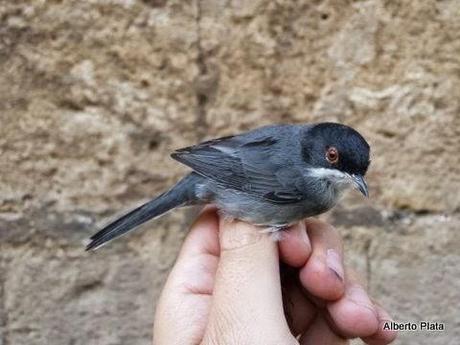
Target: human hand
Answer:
pixel 225 288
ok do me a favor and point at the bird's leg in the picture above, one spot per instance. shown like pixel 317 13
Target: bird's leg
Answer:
pixel 276 232
pixel 225 216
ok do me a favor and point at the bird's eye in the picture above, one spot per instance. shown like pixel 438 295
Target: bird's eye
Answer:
pixel 332 155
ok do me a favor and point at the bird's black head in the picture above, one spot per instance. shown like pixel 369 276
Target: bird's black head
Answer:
pixel 337 147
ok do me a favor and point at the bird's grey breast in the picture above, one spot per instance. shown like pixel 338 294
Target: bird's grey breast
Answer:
pixel 260 211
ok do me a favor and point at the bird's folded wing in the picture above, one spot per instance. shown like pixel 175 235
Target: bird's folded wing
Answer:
pixel 248 165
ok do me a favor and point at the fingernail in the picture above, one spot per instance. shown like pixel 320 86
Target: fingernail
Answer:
pixel 384 317
pixel 334 263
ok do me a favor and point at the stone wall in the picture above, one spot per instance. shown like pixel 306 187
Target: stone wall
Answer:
pixel 94 95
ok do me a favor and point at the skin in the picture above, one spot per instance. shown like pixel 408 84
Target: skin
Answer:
pixel 226 288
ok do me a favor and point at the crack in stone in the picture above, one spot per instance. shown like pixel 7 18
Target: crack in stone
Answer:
pixel 367 248
pixel 201 58
pixel 201 96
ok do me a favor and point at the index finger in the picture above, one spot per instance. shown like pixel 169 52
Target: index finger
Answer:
pixel 295 247
pixel 323 273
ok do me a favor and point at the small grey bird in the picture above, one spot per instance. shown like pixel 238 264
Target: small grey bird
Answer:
pixel 273 176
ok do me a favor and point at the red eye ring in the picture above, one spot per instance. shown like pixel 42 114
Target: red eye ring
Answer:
pixel 332 155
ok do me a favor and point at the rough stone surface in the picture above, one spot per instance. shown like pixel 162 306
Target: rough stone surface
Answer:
pixel 95 94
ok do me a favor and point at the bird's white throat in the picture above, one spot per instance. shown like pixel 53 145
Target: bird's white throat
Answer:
pixel 339 179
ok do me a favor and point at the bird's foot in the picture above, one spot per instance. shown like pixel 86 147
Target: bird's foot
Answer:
pixel 225 216
pixel 275 232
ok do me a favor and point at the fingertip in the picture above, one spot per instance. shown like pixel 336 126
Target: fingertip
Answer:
pixel 295 247
pixel 381 337
pixel 384 335
pixel 203 234
pixel 354 314
pixel 206 215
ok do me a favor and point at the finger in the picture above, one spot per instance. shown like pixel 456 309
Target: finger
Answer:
pixel 382 336
pixel 247 292
pixel 200 246
pixel 320 333
pixel 196 263
pixel 300 311
pixel 354 315
pixel 323 274
pixel 294 247
pixel 184 304
pixel 203 237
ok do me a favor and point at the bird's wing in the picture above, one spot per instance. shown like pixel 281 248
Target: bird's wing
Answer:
pixel 248 164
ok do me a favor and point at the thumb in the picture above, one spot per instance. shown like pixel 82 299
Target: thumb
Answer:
pixel 247 303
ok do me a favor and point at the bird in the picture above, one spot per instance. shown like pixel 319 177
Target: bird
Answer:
pixel 272 176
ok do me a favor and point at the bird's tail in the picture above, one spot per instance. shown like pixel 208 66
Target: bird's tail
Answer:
pixel 183 193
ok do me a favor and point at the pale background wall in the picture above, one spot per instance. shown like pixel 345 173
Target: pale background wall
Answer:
pixel 95 94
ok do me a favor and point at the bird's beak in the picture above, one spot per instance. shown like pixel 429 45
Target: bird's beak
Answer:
pixel 360 184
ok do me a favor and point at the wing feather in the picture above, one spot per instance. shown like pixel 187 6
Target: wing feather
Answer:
pixel 245 164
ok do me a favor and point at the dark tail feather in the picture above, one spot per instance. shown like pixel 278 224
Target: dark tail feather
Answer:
pixel 182 193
